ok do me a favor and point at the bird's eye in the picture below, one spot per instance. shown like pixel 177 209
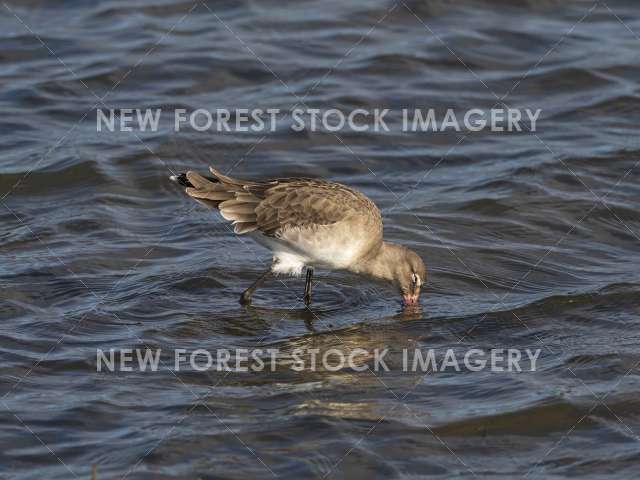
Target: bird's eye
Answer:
pixel 415 279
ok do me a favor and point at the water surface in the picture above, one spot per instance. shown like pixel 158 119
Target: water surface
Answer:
pixel 531 240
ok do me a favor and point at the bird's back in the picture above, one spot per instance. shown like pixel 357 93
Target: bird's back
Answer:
pixel 323 222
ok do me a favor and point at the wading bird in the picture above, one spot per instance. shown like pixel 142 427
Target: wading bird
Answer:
pixel 310 223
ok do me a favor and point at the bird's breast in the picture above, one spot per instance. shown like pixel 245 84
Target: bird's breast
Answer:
pixel 330 246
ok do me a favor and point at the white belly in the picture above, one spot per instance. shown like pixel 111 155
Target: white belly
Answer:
pixel 299 248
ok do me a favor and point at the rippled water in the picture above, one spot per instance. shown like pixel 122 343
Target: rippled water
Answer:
pixel 531 240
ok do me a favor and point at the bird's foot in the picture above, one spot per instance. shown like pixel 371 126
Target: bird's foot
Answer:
pixel 245 298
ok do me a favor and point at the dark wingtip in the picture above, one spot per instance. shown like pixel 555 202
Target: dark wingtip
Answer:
pixel 181 179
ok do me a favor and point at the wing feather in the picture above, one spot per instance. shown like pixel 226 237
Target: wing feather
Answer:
pixel 275 206
pixel 309 203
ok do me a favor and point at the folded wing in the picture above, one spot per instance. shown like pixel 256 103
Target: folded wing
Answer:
pixel 274 206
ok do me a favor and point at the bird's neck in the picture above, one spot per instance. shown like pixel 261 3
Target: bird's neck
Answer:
pixel 380 263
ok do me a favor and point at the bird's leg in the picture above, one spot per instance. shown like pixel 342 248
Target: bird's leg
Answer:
pixel 245 298
pixel 307 286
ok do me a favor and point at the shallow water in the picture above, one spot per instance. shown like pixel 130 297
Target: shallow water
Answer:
pixel 531 241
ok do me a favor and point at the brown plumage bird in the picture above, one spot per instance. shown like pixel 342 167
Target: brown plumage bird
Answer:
pixel 310 223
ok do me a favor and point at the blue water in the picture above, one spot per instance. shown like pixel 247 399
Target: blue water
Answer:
pixel 531 240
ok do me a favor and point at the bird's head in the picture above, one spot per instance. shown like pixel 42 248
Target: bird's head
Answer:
pixel 398 265
pixel 409 274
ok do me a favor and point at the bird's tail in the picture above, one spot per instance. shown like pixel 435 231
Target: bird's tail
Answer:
pixel 233 197
pixel 181 180
pixel 207 190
